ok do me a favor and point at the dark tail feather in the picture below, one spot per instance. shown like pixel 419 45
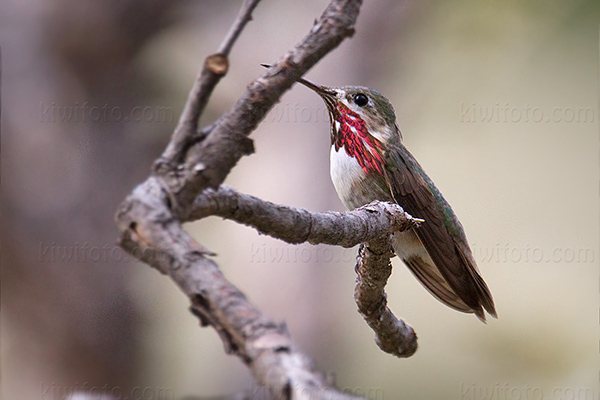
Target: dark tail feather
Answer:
pixel 434 282
pixel 484 294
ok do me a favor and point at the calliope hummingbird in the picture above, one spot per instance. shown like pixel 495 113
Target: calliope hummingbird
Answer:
pixel 369 162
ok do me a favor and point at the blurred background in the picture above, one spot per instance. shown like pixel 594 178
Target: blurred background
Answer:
pixel 498 100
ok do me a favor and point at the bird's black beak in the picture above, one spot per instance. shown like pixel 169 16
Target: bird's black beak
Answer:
pixel 323 91
pixel 328 95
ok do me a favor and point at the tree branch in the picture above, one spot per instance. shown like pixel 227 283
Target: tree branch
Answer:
pixel 373 268
pixel 244 16
pixel 215 68
pixel 295 225
pixel 372 223
pixel 153 235
pixel 178 190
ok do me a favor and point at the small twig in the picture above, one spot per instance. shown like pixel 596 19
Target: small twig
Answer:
pixel 373 268
pixel 295 225
pixel 185 134
pixel 215 67
pixel 244 16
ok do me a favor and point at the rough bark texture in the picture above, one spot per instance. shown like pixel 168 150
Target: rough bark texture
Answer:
pixel 373 268
pixel 295 225
pixel 186 185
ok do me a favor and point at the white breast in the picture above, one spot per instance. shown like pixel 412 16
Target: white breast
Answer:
pixel 354 189
pixel 345 173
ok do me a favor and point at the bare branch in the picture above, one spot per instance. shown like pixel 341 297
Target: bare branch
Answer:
pixel 373 267
pixel 244 16
pixel 295 225
pixel 151 233
pixel 347 229
pixel 215 68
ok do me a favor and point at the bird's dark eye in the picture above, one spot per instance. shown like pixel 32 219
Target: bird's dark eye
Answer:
pixel 360 100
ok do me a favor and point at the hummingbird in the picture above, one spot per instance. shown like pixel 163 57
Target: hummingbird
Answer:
pixel 368 161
